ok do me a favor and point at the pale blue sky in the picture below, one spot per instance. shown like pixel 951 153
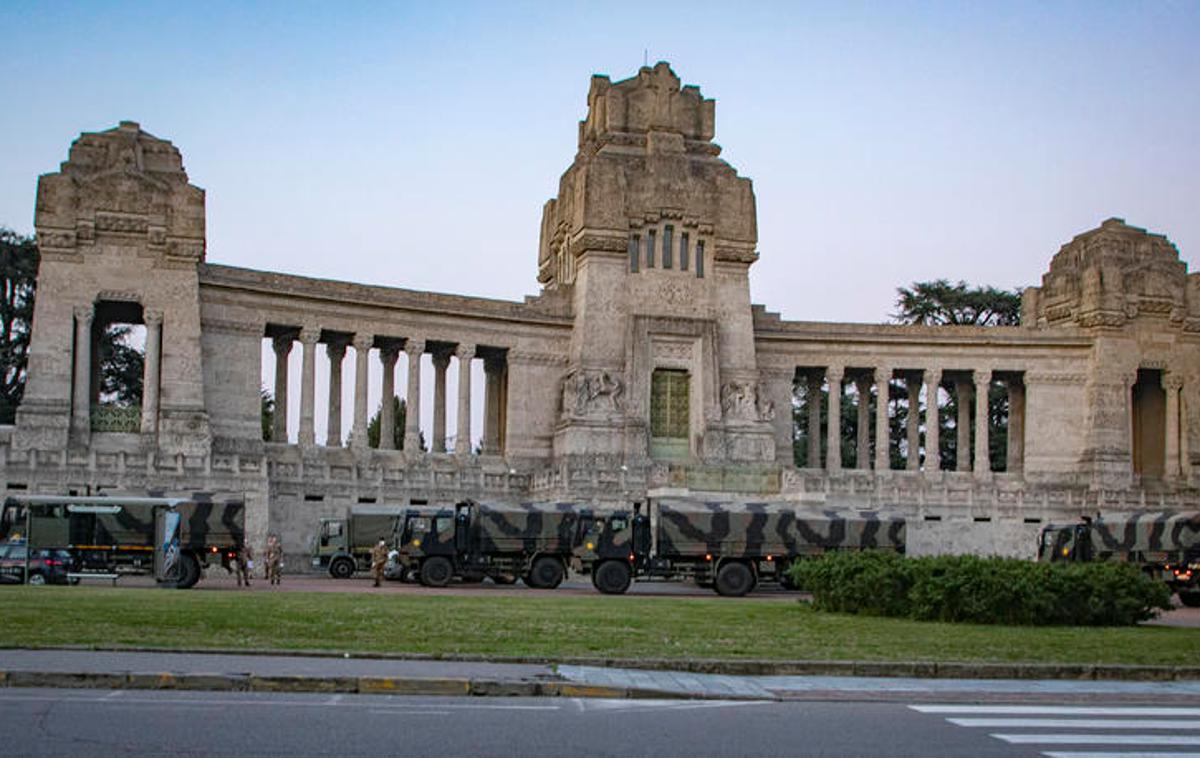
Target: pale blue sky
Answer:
pixel 414 144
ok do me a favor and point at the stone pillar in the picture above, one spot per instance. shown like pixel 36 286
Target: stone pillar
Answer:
pixel 1015 459
pixel 283 348
pixel 387 408
pixel 441 361
pixel 412 418
pixel 1172 384
pixel 358 433
pixel 462 440
pixel 81 417
pixel 933 456
pixel 336 352
pixel 983 458
pixel 833 428
pixel 912 387
pixel 862 447
pixel 883 378
pixel 814 420
pixel 308 386
pixel 962 443
pixel 493 368
pixel 151 371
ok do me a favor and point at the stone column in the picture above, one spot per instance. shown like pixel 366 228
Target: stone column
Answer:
pixel 358 433
pixel 962 443
pixel 862 447
pixel 1015 459
pixel 336 352
pixel 151 371
pixel 462 440
pixel 387 408
pixel 283 348
pixel 883 433
pixel 833 428
pixel 308 386
pixel 912 386
pixel 983 458
pixel 492 368
pixel 814 420
pixel 441 361
pixel 81 418
pixel 412 418
pixel 933 456
pixel 1172 384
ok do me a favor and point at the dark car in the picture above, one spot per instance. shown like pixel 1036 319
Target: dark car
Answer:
pixel 45 566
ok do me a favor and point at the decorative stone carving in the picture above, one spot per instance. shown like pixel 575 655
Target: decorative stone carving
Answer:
pixel 746 401
pixel 590 393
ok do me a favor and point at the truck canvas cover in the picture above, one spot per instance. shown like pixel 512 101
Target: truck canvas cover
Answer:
pixel 374 522
pixel 527 527
pixel 1146 533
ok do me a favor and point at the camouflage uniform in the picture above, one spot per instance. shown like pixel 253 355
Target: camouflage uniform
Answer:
pixel 379 555
pixel 274 558
pixel 244 565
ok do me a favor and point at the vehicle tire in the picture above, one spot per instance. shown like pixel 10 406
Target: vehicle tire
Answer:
pixel 545 574
pixel 189 571
pixel 37 579
pixel 1190 598
pixel 734 579
pixel 73 580
pixel 612 577
pixel 436 571
pixel 341 568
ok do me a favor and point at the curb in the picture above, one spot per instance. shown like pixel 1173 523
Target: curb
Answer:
pixel 747 667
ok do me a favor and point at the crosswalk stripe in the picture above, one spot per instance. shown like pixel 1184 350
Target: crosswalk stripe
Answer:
pixel 1055 710
pixel 1097 739
pixel 1078 723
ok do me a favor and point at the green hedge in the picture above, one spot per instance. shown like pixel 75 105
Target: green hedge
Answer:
pixel 981 590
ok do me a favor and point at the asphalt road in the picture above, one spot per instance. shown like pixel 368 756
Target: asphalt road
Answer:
pixel 47 722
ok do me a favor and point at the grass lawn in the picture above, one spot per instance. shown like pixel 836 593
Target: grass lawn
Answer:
pixel 545 625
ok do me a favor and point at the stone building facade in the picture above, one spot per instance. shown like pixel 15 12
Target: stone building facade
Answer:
pixel 641 367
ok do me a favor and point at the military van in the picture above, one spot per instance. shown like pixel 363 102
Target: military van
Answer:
pixel 503 542
pixel 1165 545
pixel 727 546
pixel 173 538
pixel 343 545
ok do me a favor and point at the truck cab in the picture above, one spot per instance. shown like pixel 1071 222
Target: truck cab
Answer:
pixel 332 549
pixel 613 548
pixel 1065 542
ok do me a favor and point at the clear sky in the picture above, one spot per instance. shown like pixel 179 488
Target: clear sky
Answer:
pixel 414 144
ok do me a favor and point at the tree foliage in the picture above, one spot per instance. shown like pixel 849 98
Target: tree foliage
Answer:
pixel 122 366
pixel 400 410
pixel 939 302
pixel 18 282
pixel 267 402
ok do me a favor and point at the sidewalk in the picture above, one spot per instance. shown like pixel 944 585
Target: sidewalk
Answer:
pixel 267 673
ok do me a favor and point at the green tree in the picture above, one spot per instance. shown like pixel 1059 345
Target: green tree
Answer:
pixel 939 302
pixel 400 409
pixel 122 366
pixel 268 414
pixel 18 282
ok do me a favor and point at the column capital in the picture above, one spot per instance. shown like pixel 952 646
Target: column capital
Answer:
pixel 1172 381
pixel 414 347
pixel 981 377
pixel 309 336
pixel 152 317
pixel 282 344
pixel 85 312
pixel 933 376
pixel 465 352
pixel 363 341
pixel 835 373
pixel 883 373
pixel 336 351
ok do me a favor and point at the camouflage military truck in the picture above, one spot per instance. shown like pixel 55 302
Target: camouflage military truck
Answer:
pixel 343 545
pixel 118 534
pixel 730 547
pixel 501 542
pixel 1165 545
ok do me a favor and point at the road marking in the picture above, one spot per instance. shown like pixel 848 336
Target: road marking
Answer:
pixel 1053 710
pixel 387 712
pixel 1078 723
pixel 1097 739
pixel 1139 754
pixel 220 703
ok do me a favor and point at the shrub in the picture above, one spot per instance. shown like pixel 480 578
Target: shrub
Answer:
pixel 981 590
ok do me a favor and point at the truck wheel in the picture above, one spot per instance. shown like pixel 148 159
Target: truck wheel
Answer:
pixel 37 579
pixel 734 579
pixel 545 574
pixel 1190 598
pixel 436 571
pixel 342 568
pixel 612 577
pixel 189 571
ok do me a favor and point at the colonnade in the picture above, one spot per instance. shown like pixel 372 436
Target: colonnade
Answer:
pixel 970 387
pixel 335 344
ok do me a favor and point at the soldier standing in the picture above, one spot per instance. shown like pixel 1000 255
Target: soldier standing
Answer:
pixel 245 565
pixel 274 556
pixel 379 555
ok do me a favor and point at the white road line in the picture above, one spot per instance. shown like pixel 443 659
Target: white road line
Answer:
pixel 1053 710
pixel 1097 739
pixel 103 700
pixel 386 712
pixel 1139 754
pixel 1078 723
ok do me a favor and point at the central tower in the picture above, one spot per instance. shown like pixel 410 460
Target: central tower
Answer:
pixel 651 238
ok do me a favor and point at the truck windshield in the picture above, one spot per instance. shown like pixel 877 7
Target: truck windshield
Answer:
pixel 12 519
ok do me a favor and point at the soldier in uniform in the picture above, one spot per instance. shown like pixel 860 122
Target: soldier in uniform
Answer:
pixel 379 555
pixel 245 565
pixel 274 557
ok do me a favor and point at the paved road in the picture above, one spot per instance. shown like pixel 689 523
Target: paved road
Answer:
pixel 47 722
